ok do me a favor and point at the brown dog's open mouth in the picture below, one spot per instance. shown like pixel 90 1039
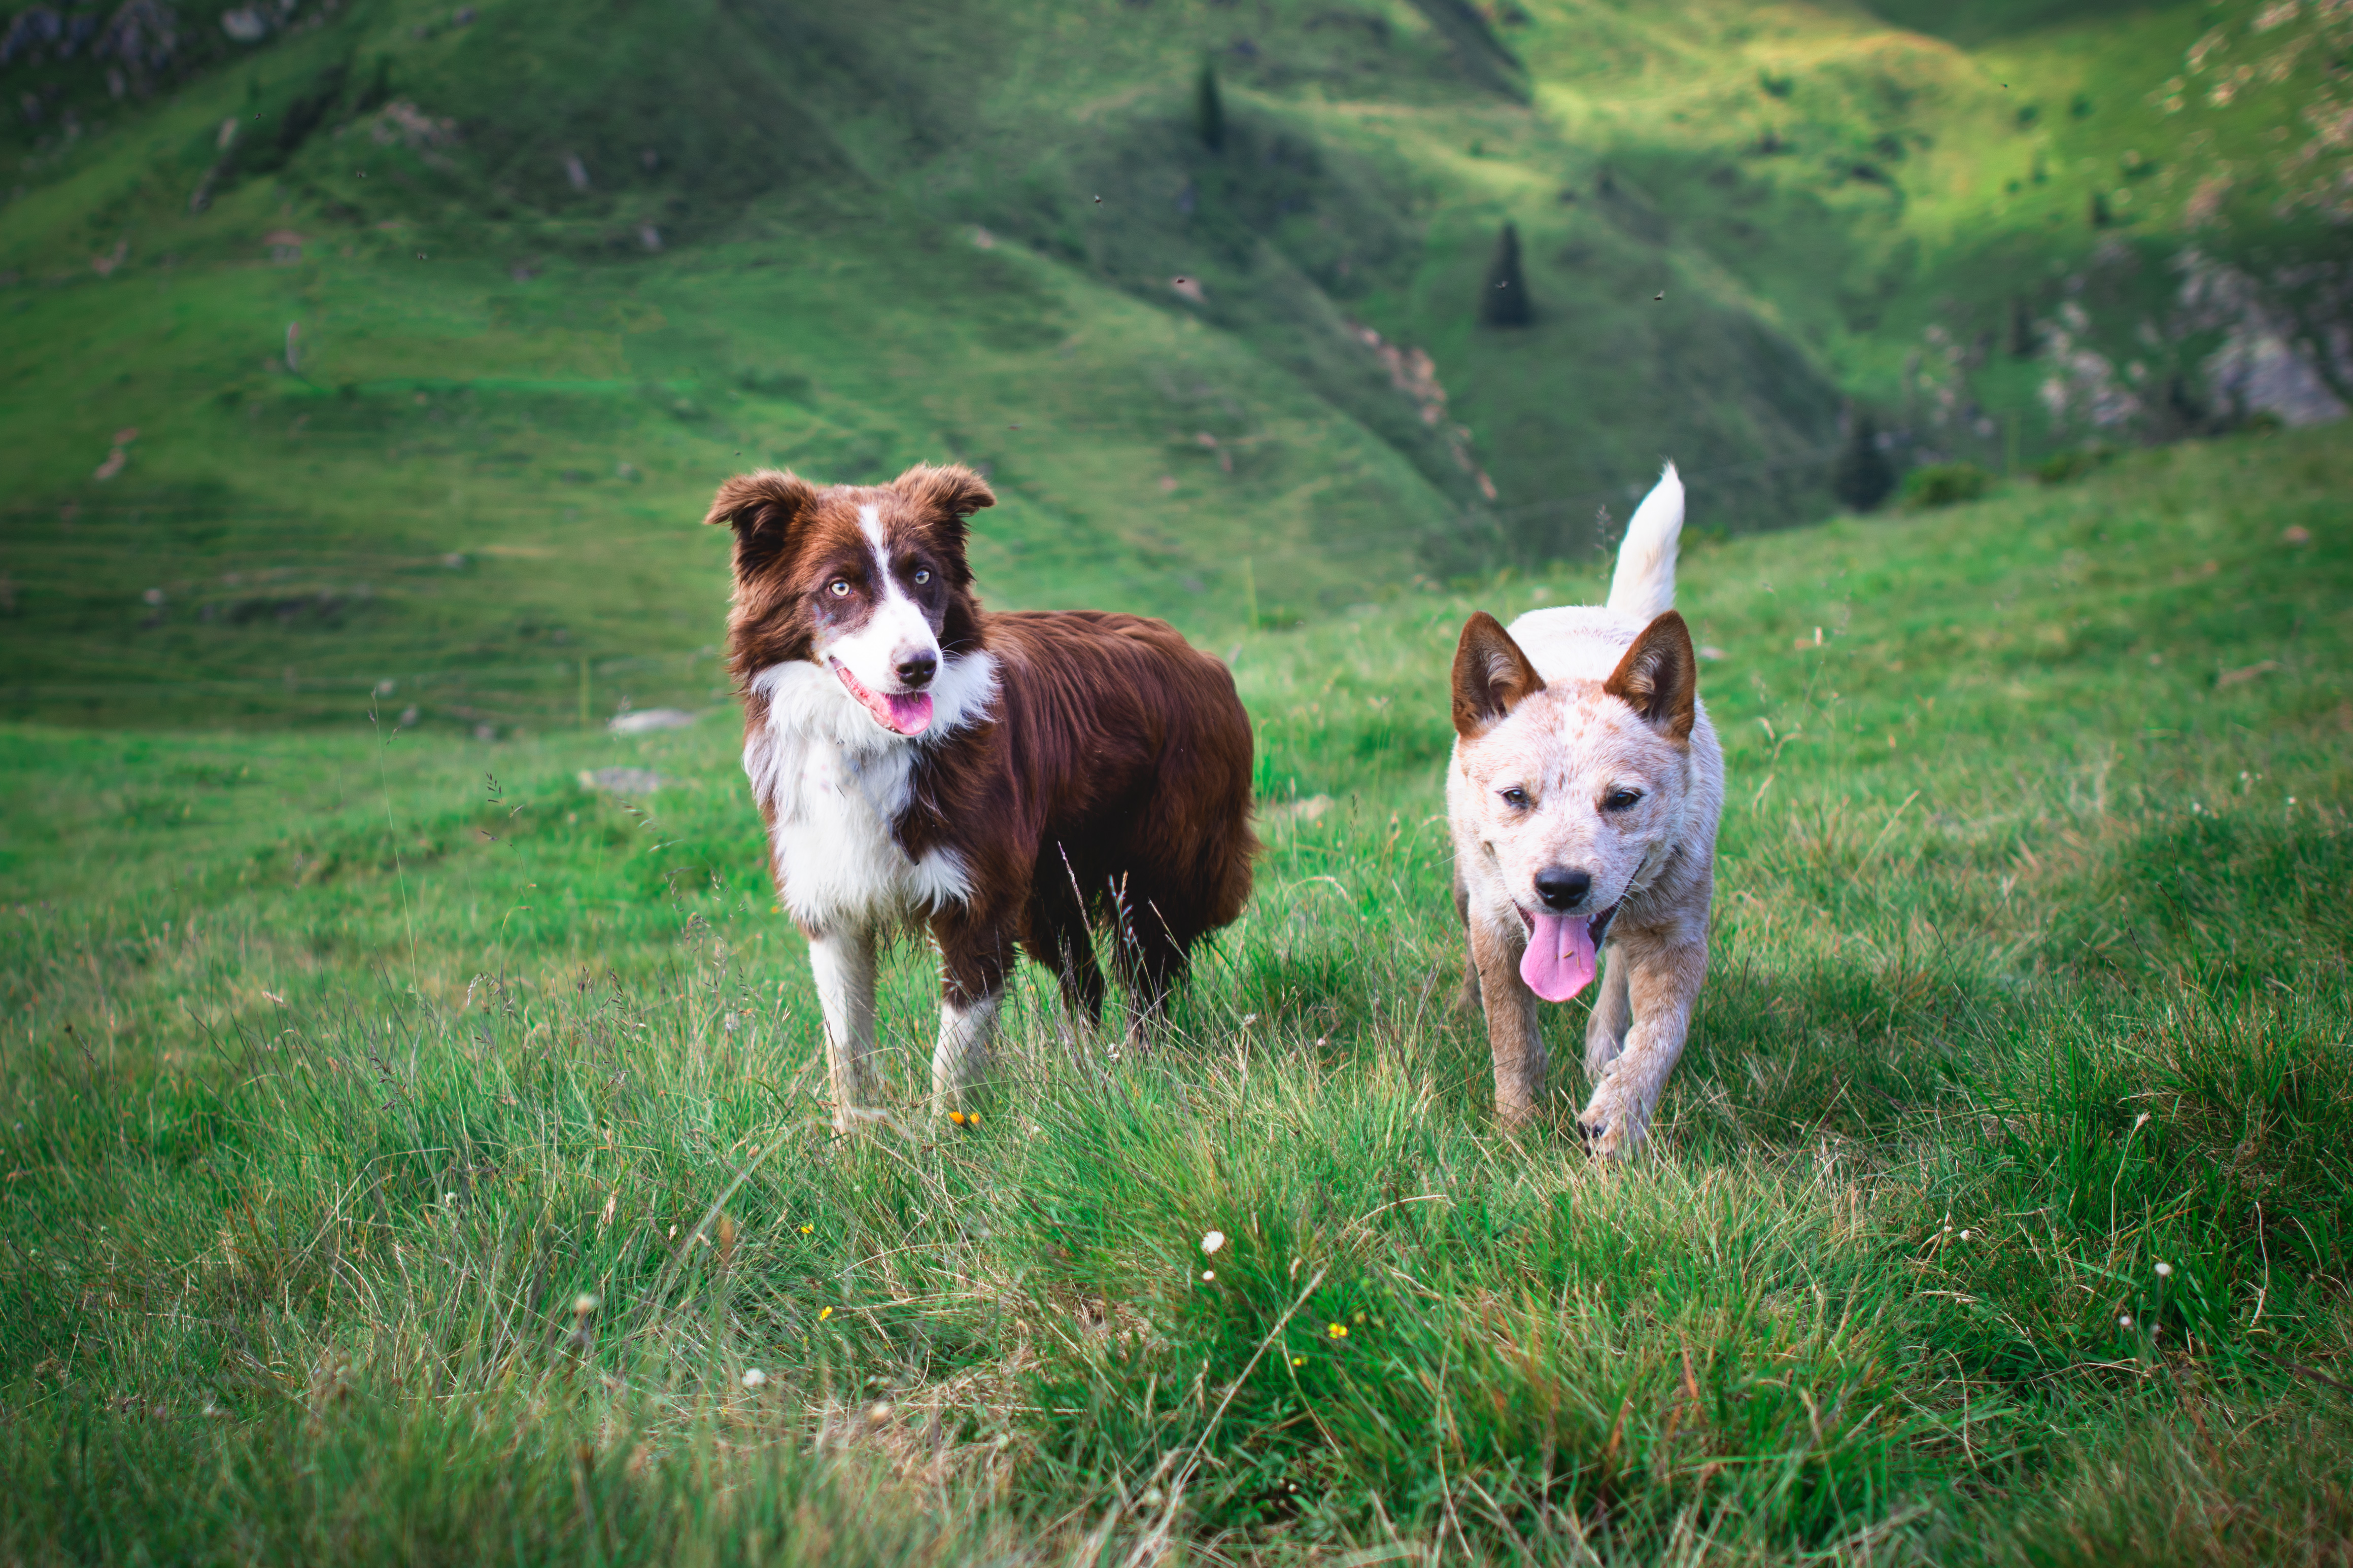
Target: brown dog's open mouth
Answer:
pixel 902 712
pixel 1560 957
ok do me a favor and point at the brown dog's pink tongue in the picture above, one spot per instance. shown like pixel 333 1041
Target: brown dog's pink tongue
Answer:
pixel 907 712
pixel 911 712
pixel 1558 963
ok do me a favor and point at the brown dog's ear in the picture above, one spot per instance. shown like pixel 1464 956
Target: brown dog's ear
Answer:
pixel 953 490
pixel 947 495
pixel 764 506
pixel 1659 676
pixel 1492 675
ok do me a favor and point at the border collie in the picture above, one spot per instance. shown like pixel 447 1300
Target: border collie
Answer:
pixel 1006 781
pixel 1583 799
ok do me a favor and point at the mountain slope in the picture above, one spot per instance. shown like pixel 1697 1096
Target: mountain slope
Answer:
pixel 516 284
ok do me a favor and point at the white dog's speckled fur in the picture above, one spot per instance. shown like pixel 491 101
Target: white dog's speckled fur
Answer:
pixel 1571 707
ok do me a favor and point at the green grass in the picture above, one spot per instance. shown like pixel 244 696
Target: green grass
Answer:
pixel 351 1039
pixel 341 1063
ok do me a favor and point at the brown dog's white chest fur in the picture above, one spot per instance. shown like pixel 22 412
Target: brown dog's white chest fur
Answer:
pixel 1583 798
pixel 831 783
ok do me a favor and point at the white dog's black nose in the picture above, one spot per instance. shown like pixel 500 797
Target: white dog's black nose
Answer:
pixel 1562 889
pixel 915 670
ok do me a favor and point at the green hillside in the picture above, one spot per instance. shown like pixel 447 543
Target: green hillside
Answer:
pixel 412 1156
pixel 409 1128
pixel 546 271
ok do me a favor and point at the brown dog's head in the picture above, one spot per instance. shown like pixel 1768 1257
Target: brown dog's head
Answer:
pixel 866 581
pixel 1575 788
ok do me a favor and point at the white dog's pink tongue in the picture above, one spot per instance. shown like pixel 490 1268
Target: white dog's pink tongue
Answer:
pixel 1558 963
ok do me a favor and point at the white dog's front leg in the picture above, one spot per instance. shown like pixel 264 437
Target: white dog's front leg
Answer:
pixel 843 964
pixel 1661 981
pixel 1604 1032
pixel 1514 1039
pixel 961 1055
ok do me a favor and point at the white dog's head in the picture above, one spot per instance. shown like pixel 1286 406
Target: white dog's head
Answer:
pixel 1574 790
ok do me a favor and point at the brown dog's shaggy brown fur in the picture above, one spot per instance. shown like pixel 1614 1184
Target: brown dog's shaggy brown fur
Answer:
pixel 1011 782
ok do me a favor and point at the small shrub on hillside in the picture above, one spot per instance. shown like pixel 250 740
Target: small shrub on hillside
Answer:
pixel 2065 468
pixel 1861 478
pixel 1505 302
pixel 1944 484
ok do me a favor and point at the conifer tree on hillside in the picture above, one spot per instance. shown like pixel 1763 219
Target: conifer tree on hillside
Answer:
pixel 1505 302
pixel 1210 110
pixel 1862 480
pixel 2023 340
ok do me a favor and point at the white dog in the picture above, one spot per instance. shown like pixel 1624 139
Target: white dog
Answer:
pixel 1583 798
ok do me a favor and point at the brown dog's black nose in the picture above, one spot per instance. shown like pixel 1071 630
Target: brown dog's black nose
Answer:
pixel 915 672
pixel 1562 889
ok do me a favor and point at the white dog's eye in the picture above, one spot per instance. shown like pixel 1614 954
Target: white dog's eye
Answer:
pixel 1517 798
pixel 1620 799
pixel 838 587
pixel 922 575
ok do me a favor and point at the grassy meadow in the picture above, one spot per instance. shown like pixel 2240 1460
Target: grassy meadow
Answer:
pixel 412 1153
pixel 410 1140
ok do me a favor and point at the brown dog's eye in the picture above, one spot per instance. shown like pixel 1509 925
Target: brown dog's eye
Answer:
pixel 1620 799
pixel 922 575
pixel 838 587
pixel 1517 798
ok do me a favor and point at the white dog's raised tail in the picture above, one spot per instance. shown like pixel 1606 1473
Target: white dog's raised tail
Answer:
pixel 1643 587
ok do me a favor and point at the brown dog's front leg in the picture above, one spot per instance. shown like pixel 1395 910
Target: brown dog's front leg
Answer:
pixel 842 962
pixel 1513 1037
pixel 974 955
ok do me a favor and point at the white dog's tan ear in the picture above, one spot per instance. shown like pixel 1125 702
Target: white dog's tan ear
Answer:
pixel 1659 676
pixel 762 507
pixel 1492 675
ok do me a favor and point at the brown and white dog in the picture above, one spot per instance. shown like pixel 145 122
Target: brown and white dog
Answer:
pixel 1583 798
pixel 1006 781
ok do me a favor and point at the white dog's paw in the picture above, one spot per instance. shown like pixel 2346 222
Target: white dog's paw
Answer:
pixel 1615 1123
pixel 1600 1050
